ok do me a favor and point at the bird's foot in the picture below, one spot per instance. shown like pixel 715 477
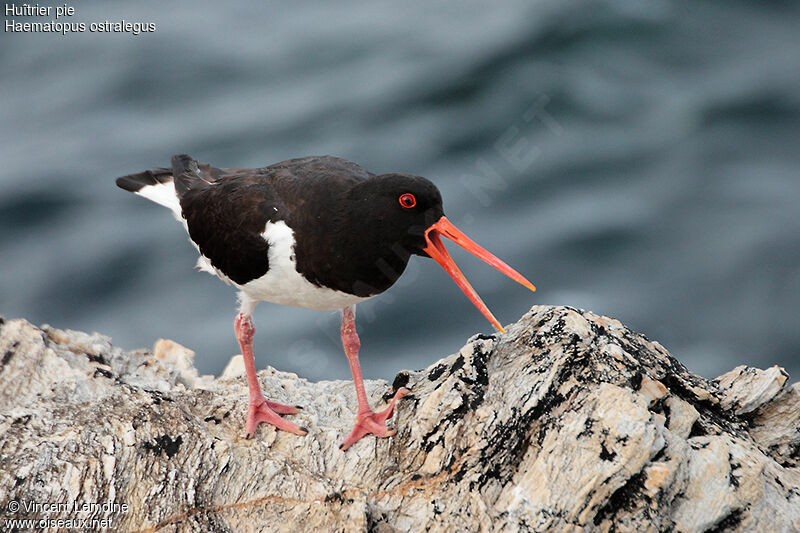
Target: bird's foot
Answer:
pixel 372 422
pixel 266 411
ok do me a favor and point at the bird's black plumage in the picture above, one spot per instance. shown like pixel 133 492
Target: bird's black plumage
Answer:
pixel 351 233
pixel 135 182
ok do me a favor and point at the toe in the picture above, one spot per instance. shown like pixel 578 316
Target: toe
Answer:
pixel 282 409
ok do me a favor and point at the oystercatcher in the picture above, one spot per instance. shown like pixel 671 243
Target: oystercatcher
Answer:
pixel 316 232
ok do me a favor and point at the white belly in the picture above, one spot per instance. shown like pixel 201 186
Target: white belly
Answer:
pixel 283 285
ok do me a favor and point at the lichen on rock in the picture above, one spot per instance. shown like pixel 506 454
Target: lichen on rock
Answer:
pixel 567 422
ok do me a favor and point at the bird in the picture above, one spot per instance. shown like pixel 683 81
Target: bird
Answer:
pixel 317 232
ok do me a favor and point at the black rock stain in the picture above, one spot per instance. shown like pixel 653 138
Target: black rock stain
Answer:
pixel 164 444
pixel 624 498
pixel 605 453
pixel 102 372
pixel 729 523
pixel 8 355
pixel 437 371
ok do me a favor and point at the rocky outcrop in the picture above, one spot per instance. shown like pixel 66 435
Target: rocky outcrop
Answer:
pixel 567 422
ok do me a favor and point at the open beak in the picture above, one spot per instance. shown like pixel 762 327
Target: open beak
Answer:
pixel 437 251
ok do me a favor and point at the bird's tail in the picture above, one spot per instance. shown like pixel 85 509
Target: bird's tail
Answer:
pixel 167 186
pixel 190 175
pixel 156 185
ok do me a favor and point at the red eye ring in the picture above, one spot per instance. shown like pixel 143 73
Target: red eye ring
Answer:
pixel 407 200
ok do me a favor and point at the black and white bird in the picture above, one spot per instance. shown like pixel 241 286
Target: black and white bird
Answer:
pixel 315 232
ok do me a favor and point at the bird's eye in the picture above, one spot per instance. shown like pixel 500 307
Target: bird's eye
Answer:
pixel 407 200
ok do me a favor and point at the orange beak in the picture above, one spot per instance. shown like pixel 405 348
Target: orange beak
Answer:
pixel 438 252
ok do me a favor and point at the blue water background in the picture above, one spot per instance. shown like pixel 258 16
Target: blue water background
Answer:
pixel 637 158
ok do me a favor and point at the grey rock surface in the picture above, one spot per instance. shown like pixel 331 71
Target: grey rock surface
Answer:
pixel 567 422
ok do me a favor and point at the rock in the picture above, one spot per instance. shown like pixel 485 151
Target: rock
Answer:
pixel 744 389
pixel 567 422
pixel 234 368
pixel 776 427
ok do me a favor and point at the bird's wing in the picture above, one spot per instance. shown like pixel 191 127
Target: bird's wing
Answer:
pixel 227 210
pixel 316 166
pixel 226 217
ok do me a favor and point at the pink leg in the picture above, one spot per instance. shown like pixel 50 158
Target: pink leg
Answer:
pixel 367 420
pixel 261 409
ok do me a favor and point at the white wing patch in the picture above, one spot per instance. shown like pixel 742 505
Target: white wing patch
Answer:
pixel 283 285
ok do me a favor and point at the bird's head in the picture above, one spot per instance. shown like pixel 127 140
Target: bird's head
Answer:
pixel 408 210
